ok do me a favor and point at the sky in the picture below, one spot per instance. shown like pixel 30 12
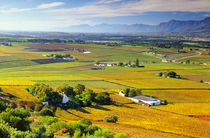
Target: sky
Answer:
pixel 50 15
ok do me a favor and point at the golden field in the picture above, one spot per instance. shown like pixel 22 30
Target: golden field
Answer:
pixel 133 117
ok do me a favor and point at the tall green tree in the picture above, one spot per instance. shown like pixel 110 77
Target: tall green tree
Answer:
pixel 137 62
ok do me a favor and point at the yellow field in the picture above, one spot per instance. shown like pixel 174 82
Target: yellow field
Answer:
pixel 180 96
pixel 15 82
pixel 134 117
pixel 20 93
pixel 148 80
pixel 187 108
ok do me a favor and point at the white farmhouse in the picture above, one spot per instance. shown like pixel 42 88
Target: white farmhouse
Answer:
pixel 68 58
pixel 121 93
pixel 65 98
pixel 147 100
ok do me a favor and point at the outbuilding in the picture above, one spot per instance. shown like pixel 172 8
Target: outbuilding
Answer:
pixel 147 100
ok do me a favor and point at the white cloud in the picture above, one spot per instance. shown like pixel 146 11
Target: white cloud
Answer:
pixel 101 9
pixel 107 1
pixel 42 6
pixel 50 5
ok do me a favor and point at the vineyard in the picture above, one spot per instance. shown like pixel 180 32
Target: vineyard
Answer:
pixel 188 98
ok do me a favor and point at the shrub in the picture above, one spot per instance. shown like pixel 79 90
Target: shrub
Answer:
pixel 69 91
pixel 80 88
pixel 119 135
pixel 103 98
pixel 17 118
pixel 85 121
pixel 4 106
pixel 171 74
pixel 103 133
pixel 56 126
pixel 77 133
pixel 48 120
pixel 160 74
pixel 126 91
pixel 46 112
pixel 132 93
pixel 112 119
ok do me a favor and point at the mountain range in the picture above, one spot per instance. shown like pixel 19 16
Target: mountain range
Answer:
pixel 202 26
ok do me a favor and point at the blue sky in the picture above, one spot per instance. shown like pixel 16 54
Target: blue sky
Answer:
pixel 49 15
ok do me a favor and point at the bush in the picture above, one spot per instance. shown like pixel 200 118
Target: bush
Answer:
pixel 85 121
pixel 17 118
pixel 46 112
pixel 80 88
pixel 103 98
pixel 48 120
pixel 160 74
pixel 126 91
pixel 170 74
pixel 103 133
pixel 4 106
pixel 69 91
pixel 112 119
pixel 58 126
pixel 132 93
pixel 119 135
pixel 77 133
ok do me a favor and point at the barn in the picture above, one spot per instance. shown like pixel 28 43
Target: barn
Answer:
pixel 147 100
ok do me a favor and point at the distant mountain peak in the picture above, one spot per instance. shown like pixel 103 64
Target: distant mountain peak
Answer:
pixel 171 26
pixel 207 19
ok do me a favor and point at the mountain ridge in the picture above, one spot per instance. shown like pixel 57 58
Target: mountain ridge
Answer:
pixel 170 26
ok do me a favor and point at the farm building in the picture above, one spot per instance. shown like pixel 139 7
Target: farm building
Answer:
pixel 147 100
pixel 105 65
pixel 111 65
pixel 65 98
pixel 121 93
pixel 68 58
pixel 166 60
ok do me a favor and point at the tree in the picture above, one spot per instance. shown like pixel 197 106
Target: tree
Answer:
pixel 132 93
pixel 103 98
pixel 46 112
pixel 126 91
pixel 87 97
pixel 17 118
pixel 112 119
pixel 54 98
pixel 187 61
pixel 171 74
pixel 119 64
pixel 68 90
pixel 40 90
pixel 160 74
pixel 165 102
pixel 80 88
pixel 4 106
pixel 201 81
pixel 137 62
